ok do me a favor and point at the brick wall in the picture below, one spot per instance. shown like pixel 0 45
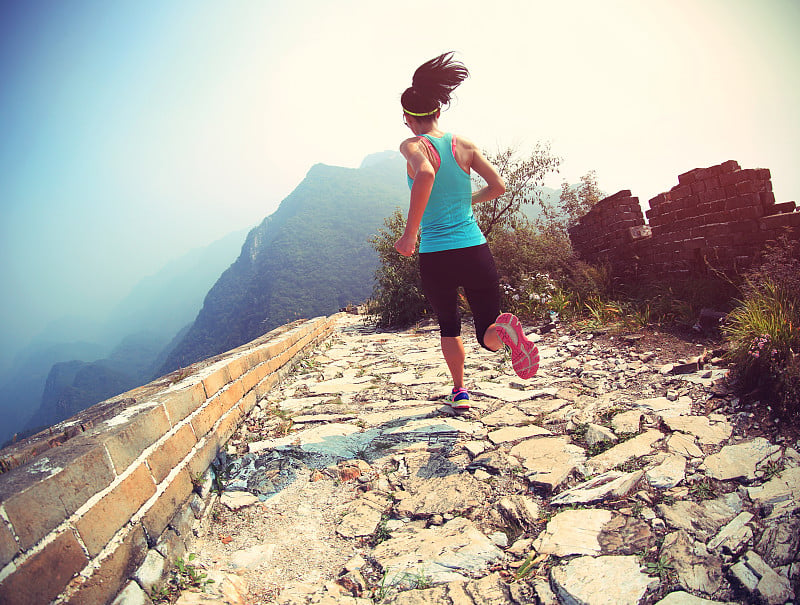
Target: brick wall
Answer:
pixel 716 218
pixel 85 502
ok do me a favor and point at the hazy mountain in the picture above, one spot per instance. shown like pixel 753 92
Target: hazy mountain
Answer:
pixel 311 257
pixel 165 302
pixel 104 358
pixel 22 386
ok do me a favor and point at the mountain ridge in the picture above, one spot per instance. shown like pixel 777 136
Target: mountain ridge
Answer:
pixel 310 257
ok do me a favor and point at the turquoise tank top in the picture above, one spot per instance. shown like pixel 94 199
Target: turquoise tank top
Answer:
pixel 448 222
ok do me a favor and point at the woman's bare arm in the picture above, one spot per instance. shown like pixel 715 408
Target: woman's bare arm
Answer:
pixel 423 173
pixel 495 185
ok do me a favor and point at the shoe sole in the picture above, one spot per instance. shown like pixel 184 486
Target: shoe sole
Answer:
pixel 458 405
pixel 524 354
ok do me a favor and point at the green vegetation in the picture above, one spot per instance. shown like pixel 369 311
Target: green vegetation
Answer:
pixel 661 568
pixel 185 575
pixel 524 177
pixel 397 299
pixel 703 489
pixel 763 330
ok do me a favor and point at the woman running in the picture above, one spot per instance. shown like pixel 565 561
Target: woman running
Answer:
pixel 453 251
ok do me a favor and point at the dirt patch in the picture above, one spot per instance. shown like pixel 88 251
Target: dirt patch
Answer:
pixel 299 523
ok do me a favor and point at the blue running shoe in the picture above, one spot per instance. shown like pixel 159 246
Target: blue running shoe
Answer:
pixel 458 399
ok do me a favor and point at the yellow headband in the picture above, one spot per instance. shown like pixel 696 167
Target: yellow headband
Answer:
pixel 421 115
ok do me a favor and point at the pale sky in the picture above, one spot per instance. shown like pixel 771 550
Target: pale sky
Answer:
pixel 134 131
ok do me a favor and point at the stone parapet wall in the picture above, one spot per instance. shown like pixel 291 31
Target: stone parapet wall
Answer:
pixel 85 502
pixel 717 218
pixel 610 231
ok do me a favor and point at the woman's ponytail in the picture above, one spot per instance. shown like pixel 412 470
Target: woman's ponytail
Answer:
pixel 432 85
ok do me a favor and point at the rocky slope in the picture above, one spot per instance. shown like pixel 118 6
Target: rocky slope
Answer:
pixel 619 474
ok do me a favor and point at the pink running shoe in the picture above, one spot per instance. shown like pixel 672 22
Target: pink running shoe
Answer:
pixel 524 354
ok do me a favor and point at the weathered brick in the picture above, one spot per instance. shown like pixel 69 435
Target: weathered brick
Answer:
pixel 746 214
pixel 698 186
pixel 253 358
pixel 182 399
pixel 714 195
pixel 44 575
pixel 113 572
pixel 689 177
pixel 249 401
pixel 115 509
pixel 216 380
pixel 203 420
pixel 746 187
pixel 231 395
pixel 227 427
pixel 204 455
pixel 266 384
pixel 250 379
pixel 128 443
pixel 729 166
pixel 742 227
pixel 680 191
pixel 782 208
pixel 237 366
pixel 744 200
pixel 171 545
pixel 777 221
pixel 38 498
pixel 730 178
pixel 157 518
pixel 8 545
pixel 167 455
pixel 768 200
pixel 183 521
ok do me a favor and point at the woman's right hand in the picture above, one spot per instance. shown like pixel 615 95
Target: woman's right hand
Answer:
pixel 406 245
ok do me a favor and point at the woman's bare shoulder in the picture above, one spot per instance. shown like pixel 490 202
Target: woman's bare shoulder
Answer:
pixel 465 142
pixel 409 145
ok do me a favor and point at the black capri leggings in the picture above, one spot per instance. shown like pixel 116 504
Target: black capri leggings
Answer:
pixel 473 269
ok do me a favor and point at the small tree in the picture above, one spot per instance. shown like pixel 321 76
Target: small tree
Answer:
pixel 524 178
pixel 398 300
pixel 575 201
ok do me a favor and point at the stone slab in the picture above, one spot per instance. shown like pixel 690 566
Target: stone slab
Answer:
pixel 573 532
pixel 739 461
pixel 549 460
pixel 640 445
pixel 440 554
pixel 603 580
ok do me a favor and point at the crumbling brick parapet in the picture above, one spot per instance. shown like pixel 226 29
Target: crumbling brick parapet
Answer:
pixel 714 218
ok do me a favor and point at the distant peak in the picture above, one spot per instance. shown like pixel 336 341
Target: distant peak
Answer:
pixel 380 157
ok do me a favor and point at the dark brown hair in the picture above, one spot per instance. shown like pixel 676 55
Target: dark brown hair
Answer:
pixel 433 84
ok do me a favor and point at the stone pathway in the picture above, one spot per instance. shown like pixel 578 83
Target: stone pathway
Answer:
pixel 598 481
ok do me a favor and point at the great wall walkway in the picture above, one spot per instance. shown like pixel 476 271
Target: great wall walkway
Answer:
pixel 616 475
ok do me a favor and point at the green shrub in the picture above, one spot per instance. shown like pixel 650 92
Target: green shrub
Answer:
pixel 587 281
pixel 780 265
pixel 763 330
pixel 763 337
pixel 397 299
pixel 531 264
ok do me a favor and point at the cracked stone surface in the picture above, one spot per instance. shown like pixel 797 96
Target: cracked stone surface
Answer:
pixel 601 480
